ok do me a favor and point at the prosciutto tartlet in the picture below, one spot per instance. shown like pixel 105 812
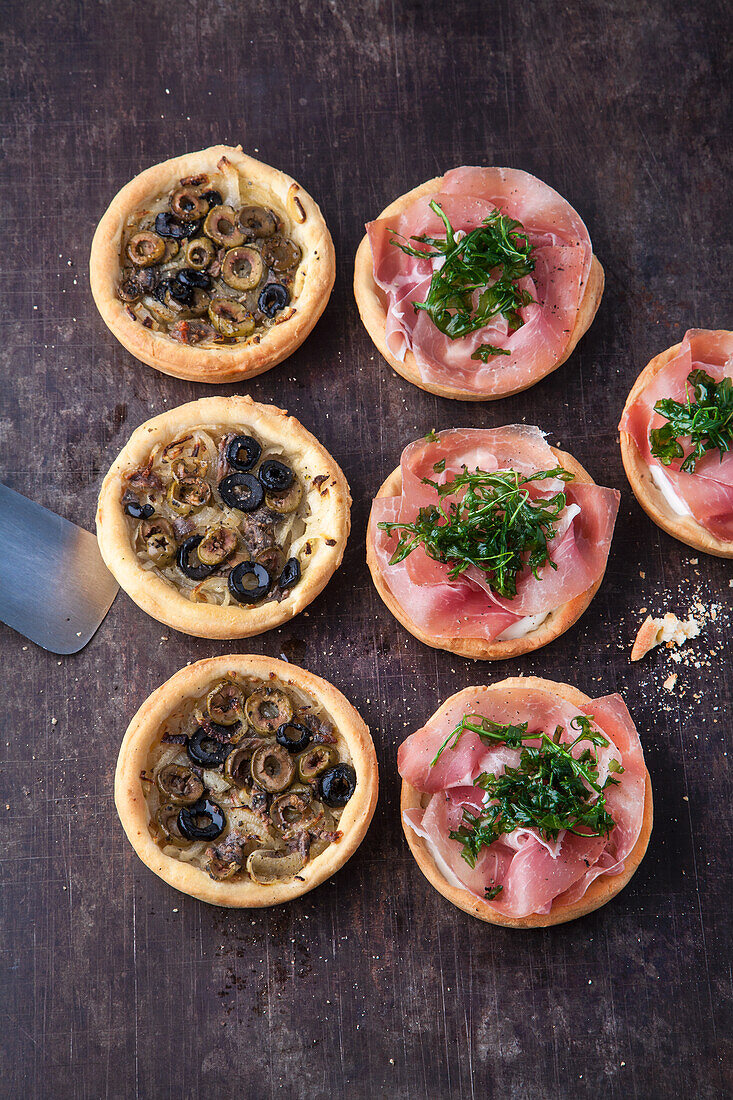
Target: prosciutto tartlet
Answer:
pixel 223 518
pixel 676 433
pixel 477 284
pixel 526 803
pixel 246 781
pixel 489 543
pixel 212 266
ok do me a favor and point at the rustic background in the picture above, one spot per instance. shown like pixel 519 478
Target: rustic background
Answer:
pixel 114 984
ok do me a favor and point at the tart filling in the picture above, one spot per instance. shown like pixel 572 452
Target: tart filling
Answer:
pixel 220 516
pixel 247 781
pixel 211 261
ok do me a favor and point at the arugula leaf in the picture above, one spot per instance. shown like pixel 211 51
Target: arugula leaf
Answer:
pixel 550 791
pixel 707 421
pixel 488 261
pixel 494 524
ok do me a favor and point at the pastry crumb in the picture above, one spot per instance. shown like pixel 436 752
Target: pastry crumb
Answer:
pixel 670 682
pixel 669 631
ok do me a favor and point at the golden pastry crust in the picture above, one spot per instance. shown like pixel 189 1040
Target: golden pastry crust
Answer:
pixel 329 520
pixel 599 892
pixel 372 303
pixel 480 649
pixel 231 363
pixel 144 729
pixel 684 528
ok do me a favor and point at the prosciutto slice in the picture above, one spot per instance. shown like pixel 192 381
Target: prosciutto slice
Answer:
pixel 533 871
pixel 708 492
pixel 466 606
pixel 562 254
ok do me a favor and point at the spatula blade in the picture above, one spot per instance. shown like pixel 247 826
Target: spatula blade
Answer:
pixel 54 587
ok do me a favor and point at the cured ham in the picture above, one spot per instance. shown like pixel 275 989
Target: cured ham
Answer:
pixel 562 254
pixel 707 493
pixel 534 872
pixel 467 606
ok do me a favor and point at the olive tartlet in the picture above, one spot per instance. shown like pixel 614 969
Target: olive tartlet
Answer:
pixel 212 266
pixel 245 781
pixel 223 518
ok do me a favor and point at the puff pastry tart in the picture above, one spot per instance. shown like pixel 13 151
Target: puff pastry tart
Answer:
pixel 478 283
pixel 212 266
pixel 488 542
pixel 676 435
pixel 525 803
pixel 223 518
pixel 246 781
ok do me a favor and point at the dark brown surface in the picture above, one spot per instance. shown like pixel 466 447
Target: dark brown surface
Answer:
pixel 113 984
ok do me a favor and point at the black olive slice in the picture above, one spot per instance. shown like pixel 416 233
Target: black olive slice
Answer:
pixel 139 511
pixel 290 574
pixel 205 750
pixel 167 225
pixel 293 736
pixel 214 198
pixel 337 785
pixel 196 571
pixel 275 476
pixel 204 820
pixel 249 582
pixel 177 291
pixel 243 452
pixel 242 491
pixel 194 279
pixel 273 298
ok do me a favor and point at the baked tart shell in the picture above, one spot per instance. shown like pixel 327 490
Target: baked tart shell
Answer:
pixel 330 503
pixel 480 649
pixel 230 363
pixel 143 731
pixel 685 529
pixel 599 892
pixel 372 303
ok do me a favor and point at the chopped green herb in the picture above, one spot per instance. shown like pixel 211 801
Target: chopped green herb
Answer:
pixel 707 421
pixel 494 525
pixel 490 260
pixel 431 436
pixel 439 466
pixel 550 791
pixel 492 892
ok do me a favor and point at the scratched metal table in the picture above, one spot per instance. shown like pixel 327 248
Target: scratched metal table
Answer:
pixel 114 985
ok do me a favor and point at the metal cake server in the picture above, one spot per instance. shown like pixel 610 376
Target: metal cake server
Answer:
pixel 54 587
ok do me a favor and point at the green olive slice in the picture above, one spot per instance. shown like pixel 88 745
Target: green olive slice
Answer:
pixel 295 811
pixel 231 318
pixel 158 539
pixel 315 760
pixel 257 221
pixel 272 768
pixel 129 289
pixel 179 784
pixel 268 709
pixel 238 764
pixel 218 544
pixel 188 204
pixel 188 494
pixel 284 503
pixel 189 466
pixel 199 253
pixel 266 865
pixel 167 821
pixel 281 254
pixel 242 268
pixel 145 248
pixel 221 226
pixel 271 558
pixel 225 702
